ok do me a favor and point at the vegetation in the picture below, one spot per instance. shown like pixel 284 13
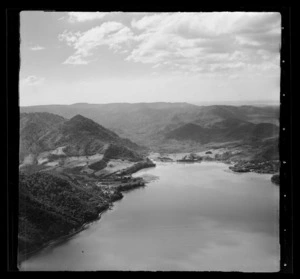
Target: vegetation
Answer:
pixel 54 157
pixel 276 179
pixel 120 152
pixel 224 131
pixel 55 203
pixel 148 123
pixel 138 166
pixel 99 165
pixel 50 206
pixel 32 127
pixel 80 136
pixel 256 166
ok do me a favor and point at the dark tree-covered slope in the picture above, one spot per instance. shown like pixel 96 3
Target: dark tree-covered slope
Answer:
pixel 50 206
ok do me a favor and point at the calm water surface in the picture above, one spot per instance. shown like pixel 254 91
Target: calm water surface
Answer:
pixel 189 217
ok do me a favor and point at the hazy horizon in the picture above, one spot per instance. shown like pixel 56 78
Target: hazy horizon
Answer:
pixel 230 103
pixel 219 57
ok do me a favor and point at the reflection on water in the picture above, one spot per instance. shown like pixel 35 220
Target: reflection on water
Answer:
pixel 194 217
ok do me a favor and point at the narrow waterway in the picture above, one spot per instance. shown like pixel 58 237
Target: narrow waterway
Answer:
pixel 196 216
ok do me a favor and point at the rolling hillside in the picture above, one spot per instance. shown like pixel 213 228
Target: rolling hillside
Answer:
pixel 147 123
pixel 64 156
pixel 228 130
pixel 78 136
pixel 62 162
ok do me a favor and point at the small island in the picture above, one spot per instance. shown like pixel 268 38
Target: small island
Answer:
pixel 190 158
pixel 256 166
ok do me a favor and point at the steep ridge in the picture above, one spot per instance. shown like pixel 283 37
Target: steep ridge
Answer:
pixel 70 176
pixel 78 136
pixel 32 127
pixel 146 123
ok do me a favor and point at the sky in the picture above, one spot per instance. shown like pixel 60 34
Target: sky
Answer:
pixel 100 57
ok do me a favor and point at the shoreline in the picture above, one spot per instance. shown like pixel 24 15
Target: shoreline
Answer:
pixel 235 166
pixel 271 167
pixel 117 196
pixel 23 257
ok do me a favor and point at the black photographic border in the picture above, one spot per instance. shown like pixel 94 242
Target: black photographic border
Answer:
pixel 287 109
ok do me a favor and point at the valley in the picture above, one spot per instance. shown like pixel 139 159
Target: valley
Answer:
pixel 72 168
pixel 154 125
pixel 68 185
pixel 70 172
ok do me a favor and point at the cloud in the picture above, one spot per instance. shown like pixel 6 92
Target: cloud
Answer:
pixel 208 41
pixel 85 16
pixel 112 34
pixel 36 48
pixel 149 22
pixel 76 60
pixel 189 42
pixel 32 81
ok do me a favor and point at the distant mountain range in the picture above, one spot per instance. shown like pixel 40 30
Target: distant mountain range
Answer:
pixel 66 150
pixel 149 124
pixel 223 131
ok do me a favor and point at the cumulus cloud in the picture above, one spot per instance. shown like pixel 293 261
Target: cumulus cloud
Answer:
pixel 32 81
pixel 188 42
pixel 76 59
pixel 112 34
pixel 208 41
pixel 85 16
pixel 36 48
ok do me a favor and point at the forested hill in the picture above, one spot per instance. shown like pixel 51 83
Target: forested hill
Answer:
pixel 148 123
pixel 51 206
pixel 78 136
pixel 224 131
